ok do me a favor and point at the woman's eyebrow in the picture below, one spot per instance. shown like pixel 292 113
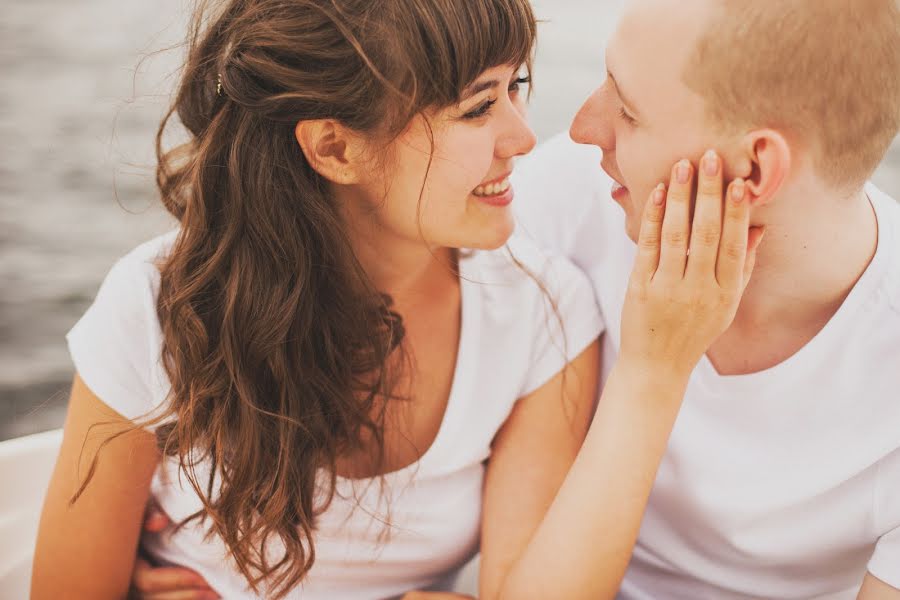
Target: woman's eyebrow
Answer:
pixel 478 87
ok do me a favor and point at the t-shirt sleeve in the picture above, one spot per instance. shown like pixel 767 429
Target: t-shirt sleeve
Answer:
pixel 116 345
pixel 567 320
pixel 885 561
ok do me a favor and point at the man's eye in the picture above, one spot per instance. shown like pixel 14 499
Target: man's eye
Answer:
pixel 480 111
pixel 628 118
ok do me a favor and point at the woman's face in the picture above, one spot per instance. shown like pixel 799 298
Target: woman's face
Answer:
pixel 456 192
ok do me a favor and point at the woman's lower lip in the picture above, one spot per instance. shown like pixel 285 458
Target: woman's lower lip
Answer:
pixel 504 199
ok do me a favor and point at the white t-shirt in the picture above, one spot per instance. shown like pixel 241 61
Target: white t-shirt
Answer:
pixel 779 484
pixel 510 344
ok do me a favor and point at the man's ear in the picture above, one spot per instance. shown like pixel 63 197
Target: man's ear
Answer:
pixel 764 163
pixel 332 149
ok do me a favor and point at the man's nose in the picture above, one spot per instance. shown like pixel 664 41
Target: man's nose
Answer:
pixel 591 125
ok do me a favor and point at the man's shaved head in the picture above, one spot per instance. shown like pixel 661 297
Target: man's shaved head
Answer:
pixel 825 72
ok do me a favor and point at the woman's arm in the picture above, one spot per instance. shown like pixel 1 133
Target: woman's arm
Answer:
pixel 677 304
pixel 580 546
pixel 87 550
pixel 530 458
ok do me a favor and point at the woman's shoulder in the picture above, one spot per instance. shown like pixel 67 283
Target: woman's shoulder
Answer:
pixel 144 259
pixel 128 291
pixel 133 280
pixel 116 344
pixel 537 305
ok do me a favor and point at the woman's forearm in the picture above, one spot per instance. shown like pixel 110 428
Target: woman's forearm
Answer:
pixel 582 547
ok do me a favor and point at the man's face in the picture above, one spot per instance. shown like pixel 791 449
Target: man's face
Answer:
pixel 643 117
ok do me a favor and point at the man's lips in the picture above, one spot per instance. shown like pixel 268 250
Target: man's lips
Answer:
pixel 619 189
pixel 613 175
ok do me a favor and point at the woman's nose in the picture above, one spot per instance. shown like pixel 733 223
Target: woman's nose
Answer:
pixel 518 137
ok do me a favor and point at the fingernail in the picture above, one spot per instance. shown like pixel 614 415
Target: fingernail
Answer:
pixel 737 190
pixel 659 194
pixel 711 163
pixel 683 172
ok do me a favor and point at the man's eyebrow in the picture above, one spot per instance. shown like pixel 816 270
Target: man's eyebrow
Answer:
pixel 478 87
pixel 628 104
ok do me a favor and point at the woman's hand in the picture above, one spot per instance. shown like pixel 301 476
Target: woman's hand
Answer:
pixel 688 279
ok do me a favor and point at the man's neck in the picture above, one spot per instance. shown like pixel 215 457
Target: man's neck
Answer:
pixel 817 246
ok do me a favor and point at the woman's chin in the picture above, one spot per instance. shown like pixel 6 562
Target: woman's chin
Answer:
pixel 495 237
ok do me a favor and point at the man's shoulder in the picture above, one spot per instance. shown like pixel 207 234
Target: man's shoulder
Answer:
pixel 557 187
pixel 888 211
pixel 563 202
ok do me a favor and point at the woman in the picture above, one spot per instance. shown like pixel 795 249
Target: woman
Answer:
pixel 341 354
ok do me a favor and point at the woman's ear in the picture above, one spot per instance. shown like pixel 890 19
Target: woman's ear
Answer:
pixel 333 150
pixel 765 164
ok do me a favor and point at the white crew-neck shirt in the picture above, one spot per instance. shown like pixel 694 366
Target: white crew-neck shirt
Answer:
pixel 510 345
pixel 779 484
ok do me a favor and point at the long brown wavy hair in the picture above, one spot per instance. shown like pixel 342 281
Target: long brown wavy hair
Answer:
pixel 276 344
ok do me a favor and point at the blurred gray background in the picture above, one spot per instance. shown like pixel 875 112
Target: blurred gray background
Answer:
pixel 83 89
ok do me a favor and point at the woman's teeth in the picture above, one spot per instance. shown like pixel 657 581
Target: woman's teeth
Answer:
pixel 492 189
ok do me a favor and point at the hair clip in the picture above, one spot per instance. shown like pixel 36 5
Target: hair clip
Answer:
pixel 219 84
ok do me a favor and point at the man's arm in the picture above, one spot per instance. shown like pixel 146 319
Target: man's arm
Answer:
pixel 875 589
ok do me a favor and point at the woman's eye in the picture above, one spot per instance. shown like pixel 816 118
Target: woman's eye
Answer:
pixel 518 83
pixel 626 117
pixel 485 108
pixel 481 111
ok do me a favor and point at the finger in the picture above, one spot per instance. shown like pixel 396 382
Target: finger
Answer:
pixel 735 232
pixel 676 223
pixel 647 260
pixel 706 230
pixel 155 519
pixel 153 580
pixel 754 240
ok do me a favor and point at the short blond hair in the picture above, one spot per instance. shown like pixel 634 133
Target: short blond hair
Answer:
pixel 825 71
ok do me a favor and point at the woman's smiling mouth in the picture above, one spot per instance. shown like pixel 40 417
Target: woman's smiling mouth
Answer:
pixel 498 192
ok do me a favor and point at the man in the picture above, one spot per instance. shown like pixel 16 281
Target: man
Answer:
pixel 782 478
